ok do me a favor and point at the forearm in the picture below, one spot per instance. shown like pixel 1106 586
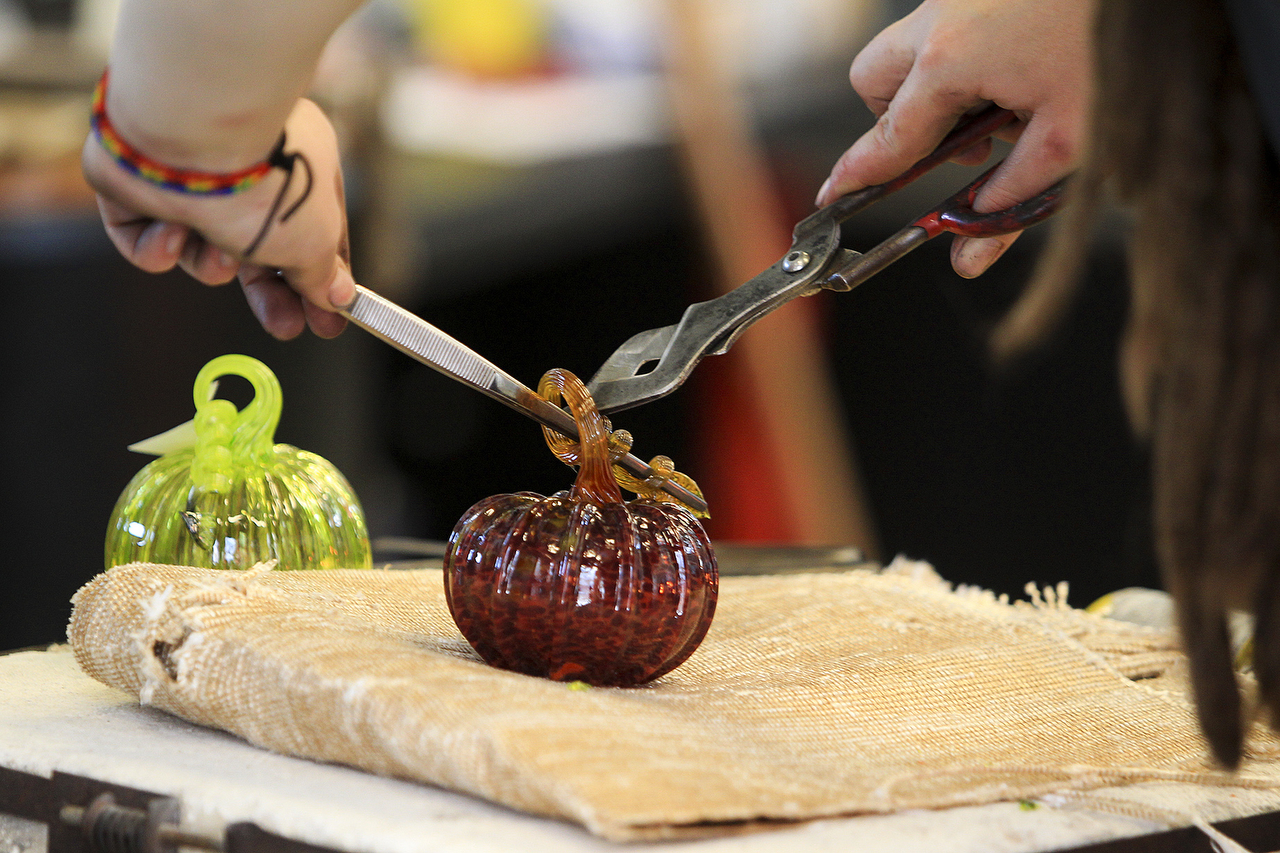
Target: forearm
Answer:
pixel 204 85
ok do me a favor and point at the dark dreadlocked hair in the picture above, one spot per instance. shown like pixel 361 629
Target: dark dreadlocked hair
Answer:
pixel 1178 143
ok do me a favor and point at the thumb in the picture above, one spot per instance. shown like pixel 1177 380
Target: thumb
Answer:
pixel 329 287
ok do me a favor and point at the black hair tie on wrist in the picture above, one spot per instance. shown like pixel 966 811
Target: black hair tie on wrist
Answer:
pixel 288 163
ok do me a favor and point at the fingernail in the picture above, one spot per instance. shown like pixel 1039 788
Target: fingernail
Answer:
pixel 343 290
pixel 822 192
pixel 174 242
pixel 974 257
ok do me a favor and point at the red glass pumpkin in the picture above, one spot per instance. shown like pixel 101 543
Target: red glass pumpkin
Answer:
pixel 581 586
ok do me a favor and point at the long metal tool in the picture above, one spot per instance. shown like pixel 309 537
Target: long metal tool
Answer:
pixel 422 341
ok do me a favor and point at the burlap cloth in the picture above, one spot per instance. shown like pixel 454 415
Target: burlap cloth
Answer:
pixel 813 695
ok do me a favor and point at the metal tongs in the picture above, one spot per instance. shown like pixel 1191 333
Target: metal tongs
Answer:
pixel 418 339
pixel 815 261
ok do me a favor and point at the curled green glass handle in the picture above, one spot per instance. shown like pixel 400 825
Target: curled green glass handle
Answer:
pixel 228 440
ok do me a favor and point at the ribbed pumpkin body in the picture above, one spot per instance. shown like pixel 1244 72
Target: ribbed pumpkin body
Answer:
pixel 296 509
pixel 610 594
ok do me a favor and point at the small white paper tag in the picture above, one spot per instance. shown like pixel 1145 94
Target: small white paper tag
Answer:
pixel 179 438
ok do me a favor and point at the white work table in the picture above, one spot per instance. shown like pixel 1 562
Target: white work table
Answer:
pixel 55 720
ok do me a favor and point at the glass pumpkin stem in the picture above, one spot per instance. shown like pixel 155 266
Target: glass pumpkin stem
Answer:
pixel 596 482
pixel 254 427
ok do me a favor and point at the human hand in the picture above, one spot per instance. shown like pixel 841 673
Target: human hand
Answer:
pixel 298 273
pixel 949 56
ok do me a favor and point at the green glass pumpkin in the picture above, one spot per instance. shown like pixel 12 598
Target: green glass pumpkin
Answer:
pixel 236 499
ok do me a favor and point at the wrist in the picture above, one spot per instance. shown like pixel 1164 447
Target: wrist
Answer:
pixel 170 170
pixel 185 135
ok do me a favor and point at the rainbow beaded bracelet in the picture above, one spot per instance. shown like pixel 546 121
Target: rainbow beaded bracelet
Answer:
pixel 190 181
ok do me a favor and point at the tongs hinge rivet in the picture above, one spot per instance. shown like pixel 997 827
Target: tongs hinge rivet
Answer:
pixel 795 261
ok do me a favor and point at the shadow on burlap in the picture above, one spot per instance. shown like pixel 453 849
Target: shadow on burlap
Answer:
pixel 814 695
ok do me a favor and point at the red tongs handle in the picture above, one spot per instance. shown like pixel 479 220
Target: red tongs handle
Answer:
pixel 957 216
pixel 965 135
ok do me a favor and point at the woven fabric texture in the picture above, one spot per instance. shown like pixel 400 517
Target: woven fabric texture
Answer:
pixel 814 695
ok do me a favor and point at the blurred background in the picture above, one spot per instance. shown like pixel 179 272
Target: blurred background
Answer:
pixel 542 179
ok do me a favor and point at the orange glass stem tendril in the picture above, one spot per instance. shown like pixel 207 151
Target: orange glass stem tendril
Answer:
pixel 595 482
pixel 559 383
